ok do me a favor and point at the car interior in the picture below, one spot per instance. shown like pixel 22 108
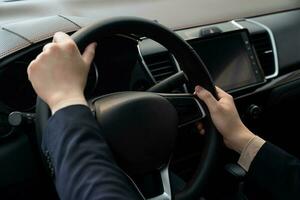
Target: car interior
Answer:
pixel 150 53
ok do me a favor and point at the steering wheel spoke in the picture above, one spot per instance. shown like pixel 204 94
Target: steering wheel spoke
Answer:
pixel 165 179
pixel 188 108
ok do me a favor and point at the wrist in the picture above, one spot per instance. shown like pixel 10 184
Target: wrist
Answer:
pixel 239 140
pixel 64 101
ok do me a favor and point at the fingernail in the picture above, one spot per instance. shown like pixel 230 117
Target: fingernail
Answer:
pixel 197 89
pixel 202 132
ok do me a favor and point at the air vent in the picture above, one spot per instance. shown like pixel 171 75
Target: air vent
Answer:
pixel 263 46
pixel 160 65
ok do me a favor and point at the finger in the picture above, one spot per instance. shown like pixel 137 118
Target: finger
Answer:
pixel 221 93
pixel 38 57
pixel 47 46
pixel 61 37
pixel 89 53
pixel 29 69
pixel 200 128
pixel 202 132
pixel 207 97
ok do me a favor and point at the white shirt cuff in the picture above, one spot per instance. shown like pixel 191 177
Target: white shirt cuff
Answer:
pixel 249 152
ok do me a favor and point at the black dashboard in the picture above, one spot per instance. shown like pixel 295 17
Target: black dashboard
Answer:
pixel 240 55
pixel 120 66
pixel 243 56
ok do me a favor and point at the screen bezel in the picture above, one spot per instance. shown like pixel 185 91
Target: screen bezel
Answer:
pixel 260 77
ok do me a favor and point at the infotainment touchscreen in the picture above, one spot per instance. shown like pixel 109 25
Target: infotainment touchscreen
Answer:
pixel 230 59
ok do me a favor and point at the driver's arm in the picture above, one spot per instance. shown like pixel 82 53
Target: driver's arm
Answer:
pixel 82 162
pixel 269 168
pixel 235 134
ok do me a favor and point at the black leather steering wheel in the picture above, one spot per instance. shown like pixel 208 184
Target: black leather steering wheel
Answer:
pixel 144 141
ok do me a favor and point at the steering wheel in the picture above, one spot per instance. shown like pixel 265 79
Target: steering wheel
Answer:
pixel 141 127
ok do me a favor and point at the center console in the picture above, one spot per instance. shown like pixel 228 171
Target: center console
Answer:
pixel 230 59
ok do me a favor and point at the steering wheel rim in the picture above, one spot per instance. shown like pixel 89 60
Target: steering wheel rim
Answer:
pixel 190 63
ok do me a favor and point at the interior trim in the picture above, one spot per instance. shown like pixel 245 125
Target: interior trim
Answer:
pixel 178 70
pixel 144 64
pixel 66 18
pixel 276 65
pixel 274 48
pixel 17 34
pixel 236 24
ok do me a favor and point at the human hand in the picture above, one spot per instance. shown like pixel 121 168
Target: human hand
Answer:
pixel 59 73
pixel 226 119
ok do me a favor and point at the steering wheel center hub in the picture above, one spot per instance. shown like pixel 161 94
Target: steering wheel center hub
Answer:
pixel 140 128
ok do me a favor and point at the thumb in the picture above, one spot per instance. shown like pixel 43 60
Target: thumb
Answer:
pixel 207 97
pixel 89 53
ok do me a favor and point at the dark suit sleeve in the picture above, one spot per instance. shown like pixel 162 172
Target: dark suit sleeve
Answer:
pixel 276 172
pixel 83 164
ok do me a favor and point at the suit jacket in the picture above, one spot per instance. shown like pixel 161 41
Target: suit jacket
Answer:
pixel 275 172
pixel 83 164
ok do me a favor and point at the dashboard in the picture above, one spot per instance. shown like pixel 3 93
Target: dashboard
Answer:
pixel 228 56
pixel 240 55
